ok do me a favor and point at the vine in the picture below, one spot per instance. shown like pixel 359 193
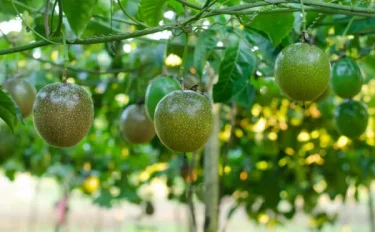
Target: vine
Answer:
pixel 243 9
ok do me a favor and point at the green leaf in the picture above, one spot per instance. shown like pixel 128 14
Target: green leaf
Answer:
pixel 206 43
pixel 234 74
pixel 278 26
pixel 78 13
pixel 151 11
pixel 265 46
pixel 36 4
pixel 8 110
pixel 131 6
pixel 245 93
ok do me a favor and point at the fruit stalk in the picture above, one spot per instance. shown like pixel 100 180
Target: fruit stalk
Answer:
pixel 303 15
pixel 184 58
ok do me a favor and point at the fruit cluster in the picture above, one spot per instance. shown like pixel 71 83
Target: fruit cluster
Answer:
pixel 183 119
pixel 303 73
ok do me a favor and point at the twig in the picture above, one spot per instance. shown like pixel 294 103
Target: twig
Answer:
pixel 115 19
pixel 303 15
pixel 59 25
pixel 94 40
pixel 184 58
pixel 242 9
pixel 197 16
pixel 46 22
pixel 53 13
pixel 34 31
pixel 348 26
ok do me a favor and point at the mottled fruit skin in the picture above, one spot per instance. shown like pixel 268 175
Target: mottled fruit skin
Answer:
pixel 302 71
pixel 184 120
pixel 63 114
pixel 351 118
pixel 135 125
pixel 156 90
pixel 346 78
pixel 23 93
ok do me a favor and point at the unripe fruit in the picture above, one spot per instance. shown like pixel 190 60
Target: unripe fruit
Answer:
pixel 184 120
pixel 302 71
pixel 346 78
pixel 63 114
pixel 324 95
pixel 23 93
pixel 156 90
pixel 351 118
pixel 135 126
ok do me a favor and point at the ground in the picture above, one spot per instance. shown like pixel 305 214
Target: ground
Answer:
pixel 24 211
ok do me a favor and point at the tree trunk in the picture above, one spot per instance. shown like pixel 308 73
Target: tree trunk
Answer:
pixel 211 176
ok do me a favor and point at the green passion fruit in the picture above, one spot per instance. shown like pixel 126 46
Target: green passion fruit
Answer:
pixel 346 78
pixel 156 90
pixel 23 93
pixel 302 71
pixel 184 120
pixel 63 114
pixel 135 125
pixel 351 118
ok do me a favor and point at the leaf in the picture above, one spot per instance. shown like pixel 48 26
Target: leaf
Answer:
pixel 362 26
pixel 245 93
pixel 234 74
pixel 265 46
pixel 131 6
pixel 8 110
pixel 151 11
pixel 36 4
pixel 276 26
pixel 78 13
pixel 206 43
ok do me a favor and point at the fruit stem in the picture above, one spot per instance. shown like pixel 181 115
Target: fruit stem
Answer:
pixel 66 58
pixel 184 58
pixel 305 37
pixel 303 16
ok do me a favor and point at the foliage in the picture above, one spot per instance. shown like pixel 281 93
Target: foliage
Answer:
pixel 278 153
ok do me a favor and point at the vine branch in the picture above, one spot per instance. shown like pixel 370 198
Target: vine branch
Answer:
pixel 243 9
